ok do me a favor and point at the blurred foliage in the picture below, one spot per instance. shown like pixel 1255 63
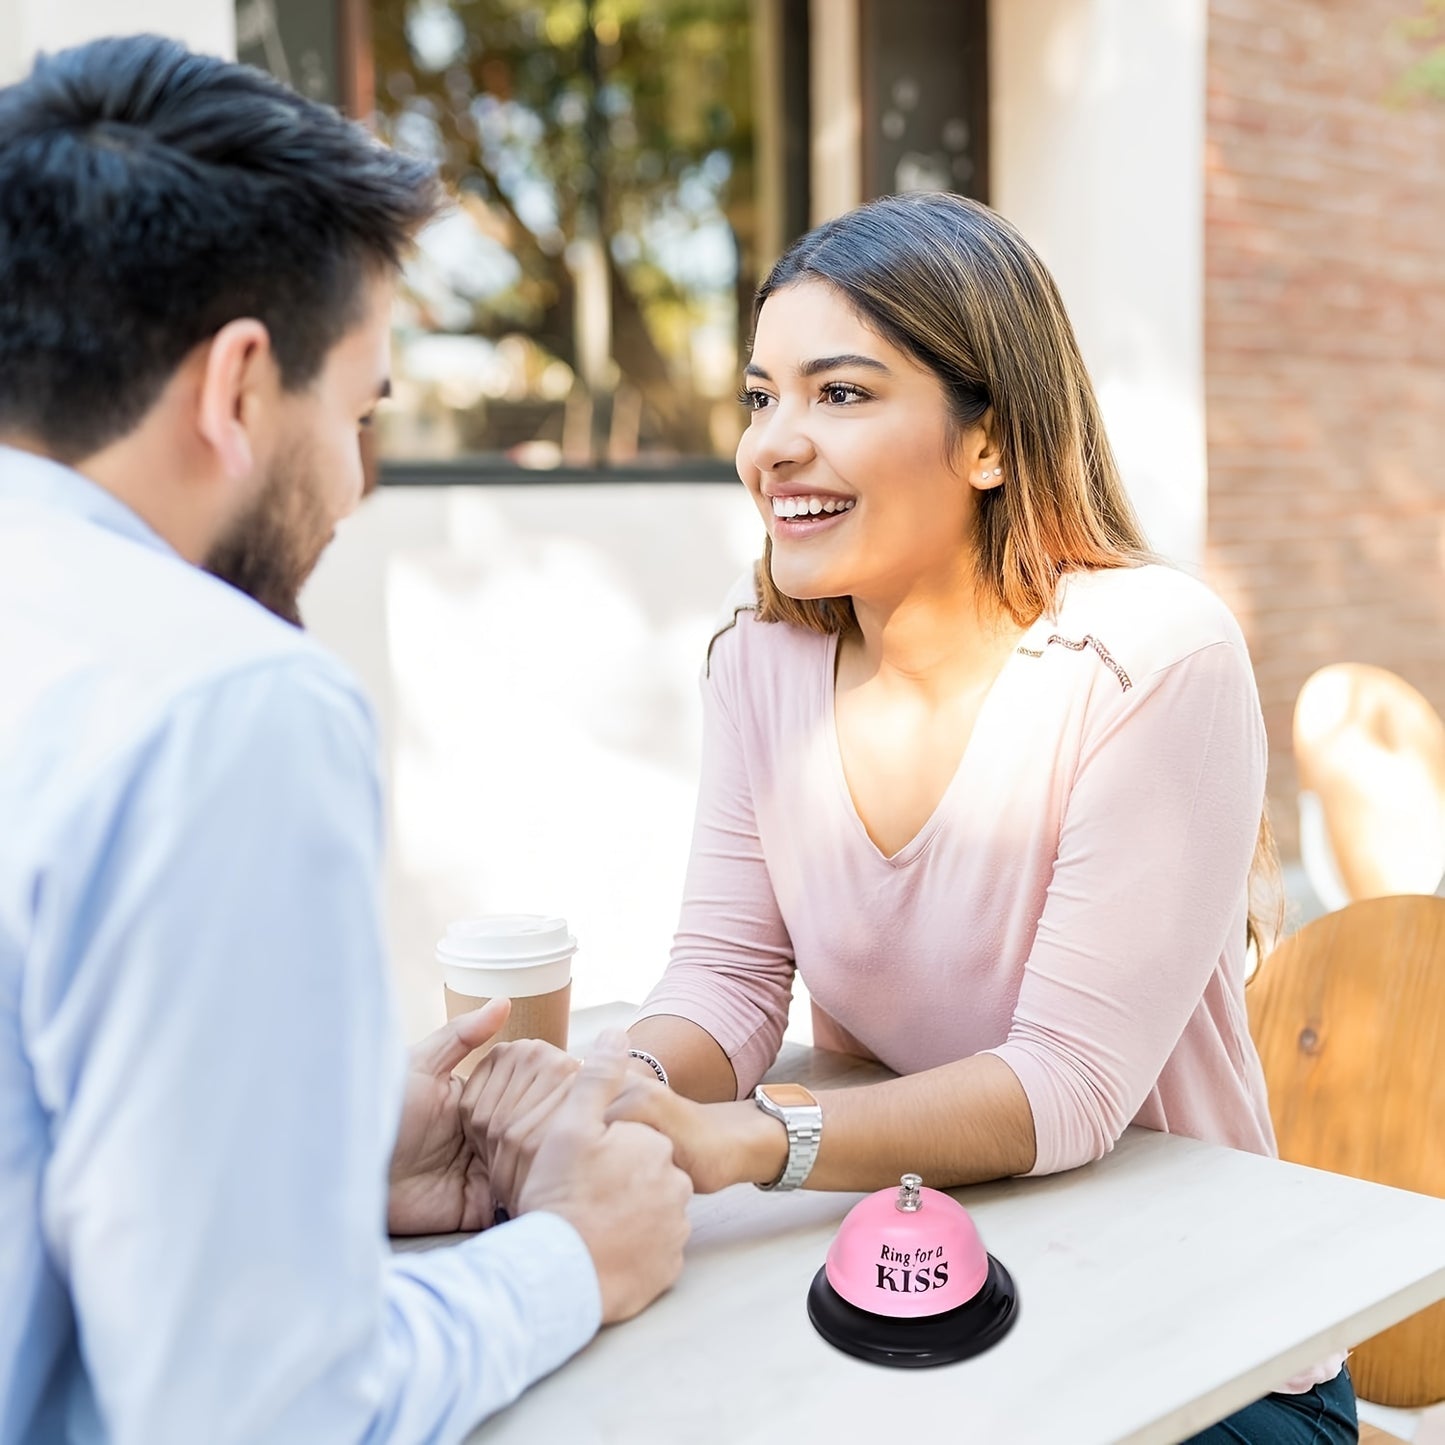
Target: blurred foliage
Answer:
pixel 566 119
pixel 1423 36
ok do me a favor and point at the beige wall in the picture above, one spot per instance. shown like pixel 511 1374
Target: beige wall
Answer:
pixel 1097 155
pixel 28 26
pixel 534 652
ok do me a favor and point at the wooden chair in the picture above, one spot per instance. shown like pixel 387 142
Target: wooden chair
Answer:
pixel 1372 1435
pixel 1370 751
pixel 1348 1015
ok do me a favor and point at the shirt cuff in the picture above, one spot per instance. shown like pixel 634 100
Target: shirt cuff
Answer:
pixel 551 1285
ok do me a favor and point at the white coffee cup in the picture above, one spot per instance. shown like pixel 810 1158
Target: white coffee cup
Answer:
pixel 526 957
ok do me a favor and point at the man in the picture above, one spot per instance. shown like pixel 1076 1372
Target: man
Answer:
pixel 201 1096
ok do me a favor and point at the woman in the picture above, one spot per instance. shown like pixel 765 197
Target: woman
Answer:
pixel 988 778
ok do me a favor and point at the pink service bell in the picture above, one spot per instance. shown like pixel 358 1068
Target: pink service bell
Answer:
pixel 908 1282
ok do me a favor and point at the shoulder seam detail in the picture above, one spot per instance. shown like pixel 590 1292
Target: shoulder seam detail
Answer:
pixel 1088 640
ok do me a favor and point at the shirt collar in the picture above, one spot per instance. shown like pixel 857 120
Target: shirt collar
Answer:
pixel 25 476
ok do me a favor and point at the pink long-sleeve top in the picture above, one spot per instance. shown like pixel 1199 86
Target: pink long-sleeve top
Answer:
pixel 1076 904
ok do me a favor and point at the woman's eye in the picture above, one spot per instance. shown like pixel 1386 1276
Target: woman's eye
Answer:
pixel 840 394
pixel 753 400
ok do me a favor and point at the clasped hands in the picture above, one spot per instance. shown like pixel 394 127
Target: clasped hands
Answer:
pixel 513 1134
pixel 533 1129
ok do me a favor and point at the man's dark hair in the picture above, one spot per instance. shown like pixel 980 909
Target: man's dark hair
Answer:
pixel 148 196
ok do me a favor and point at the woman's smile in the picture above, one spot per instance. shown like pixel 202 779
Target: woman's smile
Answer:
pixel 796 517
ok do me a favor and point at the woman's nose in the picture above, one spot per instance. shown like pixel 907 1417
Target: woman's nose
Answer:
pixel 779 438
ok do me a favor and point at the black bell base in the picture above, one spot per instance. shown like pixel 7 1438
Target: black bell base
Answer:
pixel 942 1339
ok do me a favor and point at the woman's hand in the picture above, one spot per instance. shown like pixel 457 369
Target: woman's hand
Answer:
pixel 505 1108
pixel 714 1144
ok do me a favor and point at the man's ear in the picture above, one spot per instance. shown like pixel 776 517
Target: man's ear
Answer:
pixel 239 380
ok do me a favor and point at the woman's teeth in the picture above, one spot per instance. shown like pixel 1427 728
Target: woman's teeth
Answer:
pixel 810 506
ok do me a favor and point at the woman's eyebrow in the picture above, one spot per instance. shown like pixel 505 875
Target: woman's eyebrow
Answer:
pixel 824 363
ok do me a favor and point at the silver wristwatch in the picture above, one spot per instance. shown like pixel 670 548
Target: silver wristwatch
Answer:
pixel 802 1116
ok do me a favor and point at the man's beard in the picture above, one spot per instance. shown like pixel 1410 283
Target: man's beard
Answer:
pixel 271 550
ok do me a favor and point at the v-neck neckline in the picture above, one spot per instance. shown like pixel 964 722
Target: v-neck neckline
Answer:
pixel 916 845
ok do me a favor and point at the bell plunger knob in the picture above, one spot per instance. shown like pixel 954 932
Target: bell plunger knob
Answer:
pixel 910 1198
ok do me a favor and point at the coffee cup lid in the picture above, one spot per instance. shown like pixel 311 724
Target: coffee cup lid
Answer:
pixel 499 939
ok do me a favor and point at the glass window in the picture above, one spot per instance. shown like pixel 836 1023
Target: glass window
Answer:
pixel 622 178
pixel 925 96
pixel 299 42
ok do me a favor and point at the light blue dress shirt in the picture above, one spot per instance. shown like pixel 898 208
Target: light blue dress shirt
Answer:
pixel 200 1076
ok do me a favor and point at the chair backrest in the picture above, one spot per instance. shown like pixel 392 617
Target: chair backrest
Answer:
pixel 1348 1016
pixel 1370 751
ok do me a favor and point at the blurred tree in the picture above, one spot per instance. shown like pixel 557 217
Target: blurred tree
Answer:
pixel 1424 35
pixel 616 129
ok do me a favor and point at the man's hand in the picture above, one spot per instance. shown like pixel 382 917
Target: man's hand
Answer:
pixel 615 1184
pixel 439 1184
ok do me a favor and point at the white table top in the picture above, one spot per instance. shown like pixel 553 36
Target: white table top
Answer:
pixel 1159 1290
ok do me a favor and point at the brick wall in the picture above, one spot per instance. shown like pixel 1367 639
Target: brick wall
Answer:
pixel 1324 351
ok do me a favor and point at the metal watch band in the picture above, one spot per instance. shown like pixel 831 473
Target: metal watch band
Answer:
pixel 804 1123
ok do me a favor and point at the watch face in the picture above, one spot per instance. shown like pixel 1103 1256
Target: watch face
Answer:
pixel 789 1096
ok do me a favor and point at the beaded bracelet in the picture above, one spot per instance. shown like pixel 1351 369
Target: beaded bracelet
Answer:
pixel 652 1064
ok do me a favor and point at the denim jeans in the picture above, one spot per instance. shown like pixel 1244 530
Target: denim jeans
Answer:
pixel 1322 1416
